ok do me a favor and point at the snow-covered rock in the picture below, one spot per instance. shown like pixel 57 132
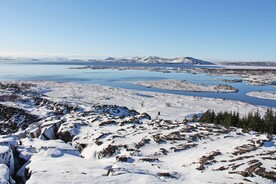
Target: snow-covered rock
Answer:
pixel 5 174
pixel 6 156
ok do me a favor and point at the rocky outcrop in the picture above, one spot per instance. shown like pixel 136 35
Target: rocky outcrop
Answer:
pixel 12 118
pixel 6 163
pixel 6 156
pixel 208 159
pixel 116 141
pixel 57 108
pixel 109 151
pixel 244 149
pixel 114 110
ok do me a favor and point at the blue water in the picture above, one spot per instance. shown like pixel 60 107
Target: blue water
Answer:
pixel 59 71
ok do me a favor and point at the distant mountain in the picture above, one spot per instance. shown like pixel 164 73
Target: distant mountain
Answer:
pixel 40 59
pixel 4 59
pixel 155 60
pixel 148 59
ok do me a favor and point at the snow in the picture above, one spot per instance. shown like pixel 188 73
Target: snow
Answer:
pixel 253 76
pixel 109 140
pixel 271 95
pixel 173 107
pixel 180 85
pixel 155 59
pixel 182 165
pixel 246 66
pixel 39 144
pixel 72 169
pixel 4 148
pixel 4 174
pixel 6 156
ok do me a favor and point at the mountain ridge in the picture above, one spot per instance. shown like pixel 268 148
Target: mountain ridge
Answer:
pixel 155 60
pixel 135 59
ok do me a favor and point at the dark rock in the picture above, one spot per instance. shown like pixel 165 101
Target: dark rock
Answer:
pixel 65 136
pixel 222 168
pixel 174 136
pixel 109 151
pixel 132 120
pixel 149 159
pixel 240 158
pixel 145 116
pixel 251 169
pixel 234 167
pixel 182 147
pixel 244 149
pixel 124 158
pixel 252 161
pixel 157 138
pixel 164 151
pixel 14 118
pixel 109 122
pixel 266 174
pixel 142 143
pixel 166 174
pixel 205 159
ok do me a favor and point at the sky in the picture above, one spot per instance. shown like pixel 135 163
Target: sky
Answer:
pixel 241 30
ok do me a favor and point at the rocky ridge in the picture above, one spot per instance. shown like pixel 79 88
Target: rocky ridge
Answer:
pixel 155 60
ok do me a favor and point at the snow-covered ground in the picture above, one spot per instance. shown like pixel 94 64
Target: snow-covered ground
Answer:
pixel 74 133
pixel 181 85
pixel 170 106
pixel 253 76
pixel 271 95
pixel 247 67
pixel 154 152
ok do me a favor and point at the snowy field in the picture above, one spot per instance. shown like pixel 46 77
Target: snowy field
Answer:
pixel 72 133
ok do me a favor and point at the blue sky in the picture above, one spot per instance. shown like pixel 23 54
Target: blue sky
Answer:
pixel 207 29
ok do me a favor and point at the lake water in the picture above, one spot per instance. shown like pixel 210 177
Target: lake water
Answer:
pixel 59 71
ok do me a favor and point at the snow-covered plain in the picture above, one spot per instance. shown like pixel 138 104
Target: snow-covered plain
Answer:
pixel 271 95
pixel 74 133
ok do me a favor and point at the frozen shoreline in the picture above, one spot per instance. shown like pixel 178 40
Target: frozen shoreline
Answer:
pixel 180 85
pixel 253 76
pixel 170 106
pixel 271 95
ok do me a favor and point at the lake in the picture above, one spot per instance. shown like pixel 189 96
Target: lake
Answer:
pixel 59 71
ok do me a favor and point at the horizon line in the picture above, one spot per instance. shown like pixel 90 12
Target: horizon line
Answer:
pixel 83 57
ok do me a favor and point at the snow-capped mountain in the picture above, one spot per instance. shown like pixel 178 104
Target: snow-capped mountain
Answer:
pixel 136 59
pixel 155 60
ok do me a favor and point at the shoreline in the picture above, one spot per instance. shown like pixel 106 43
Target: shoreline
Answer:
pixel 182 85
pixel 270 95
pixel 170 106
